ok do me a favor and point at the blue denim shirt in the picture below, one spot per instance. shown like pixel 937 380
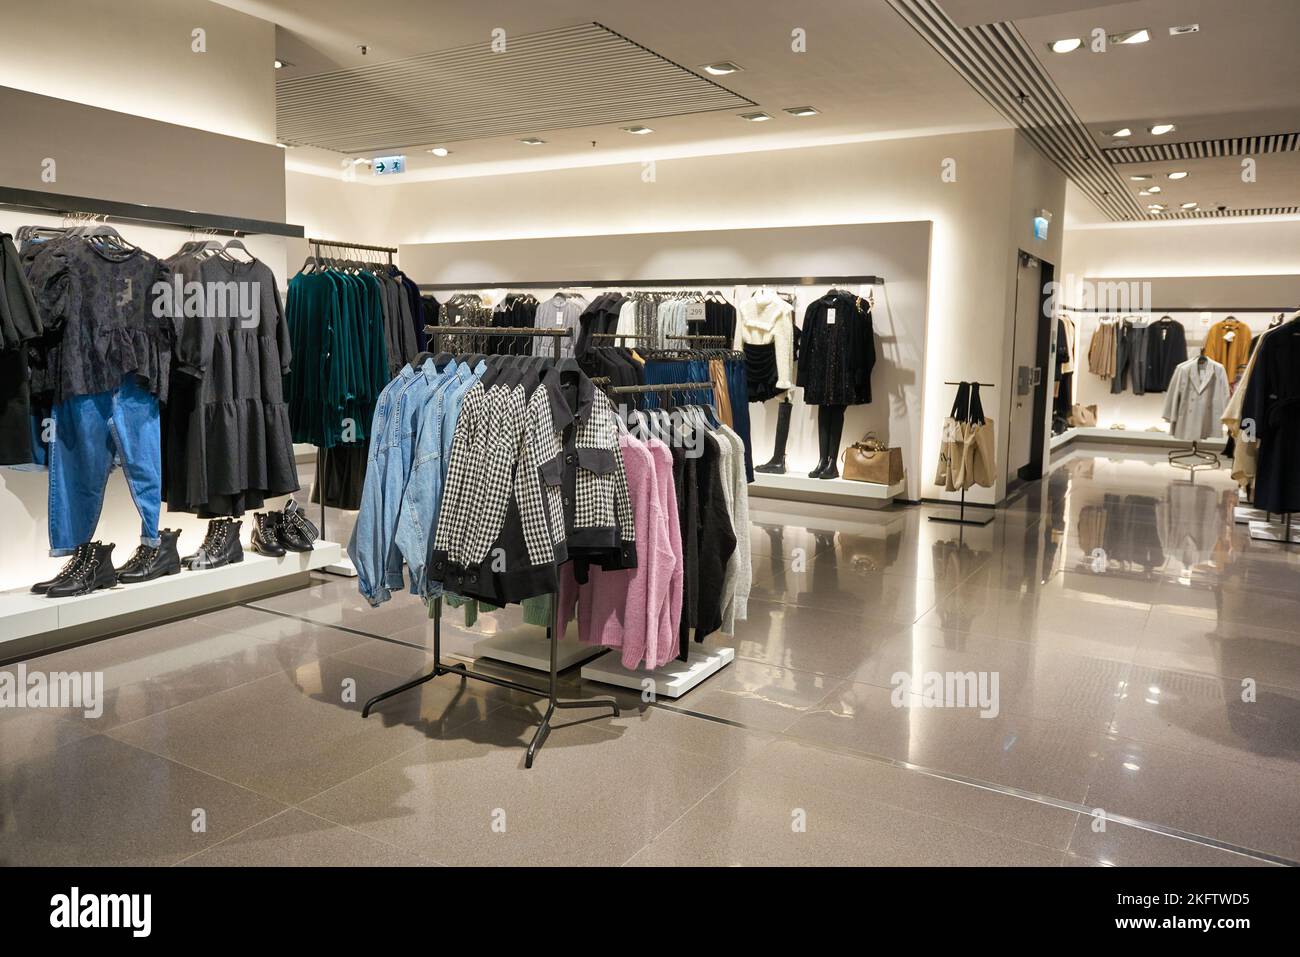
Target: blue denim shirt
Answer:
pixel 423 494
pixel 373 548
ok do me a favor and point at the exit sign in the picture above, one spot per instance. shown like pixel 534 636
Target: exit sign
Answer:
pixel 384 165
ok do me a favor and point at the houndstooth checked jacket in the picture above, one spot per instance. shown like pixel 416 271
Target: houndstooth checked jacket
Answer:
pixel 535 479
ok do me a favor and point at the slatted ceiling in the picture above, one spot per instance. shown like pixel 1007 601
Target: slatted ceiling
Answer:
pixel 1205 149
pixel 585 75
pixel 1221 213
pixel 1000 65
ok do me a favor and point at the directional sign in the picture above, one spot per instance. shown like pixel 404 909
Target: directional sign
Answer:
pixel 385 165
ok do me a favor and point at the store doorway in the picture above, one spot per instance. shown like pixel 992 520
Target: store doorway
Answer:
pixel 1031 346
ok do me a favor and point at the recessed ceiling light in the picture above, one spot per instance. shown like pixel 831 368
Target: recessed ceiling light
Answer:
pixel 1180 174
pixel 1157 207
pixel 1130 36
pixel 1190 205
pixel 1184 29
pixel 1066 46
pixel 802 111
pixel 758 117
pixel 637 130
pixel 281 64
pixel 721 68
pixel 532 141
pixel 1140 178
pixel 1120 133
pixel 1160 129
pixel 1152 189
pixel 440 151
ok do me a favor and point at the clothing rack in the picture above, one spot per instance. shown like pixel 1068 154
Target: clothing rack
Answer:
pixel 554 334
pixel 316 245
pixel 366 247
pixel 666 284
pixel 720 340
pixel 619 336
pixel 663 387
pixel 554 633
pixel 62 204
pixel 961 518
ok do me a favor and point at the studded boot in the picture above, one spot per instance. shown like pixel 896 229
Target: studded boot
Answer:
pixel 223 549
pixel 94 573
pixel 150 562
pixel 78 556
pixel 264 540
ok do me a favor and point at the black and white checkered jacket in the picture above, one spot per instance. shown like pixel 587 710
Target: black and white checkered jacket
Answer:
pixel 535 479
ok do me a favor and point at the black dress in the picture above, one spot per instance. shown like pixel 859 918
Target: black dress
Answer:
pixel 20 323
pixel 837 350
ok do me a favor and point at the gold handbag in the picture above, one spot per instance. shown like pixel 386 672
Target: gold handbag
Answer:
pixel 1083 416
pixel 870 460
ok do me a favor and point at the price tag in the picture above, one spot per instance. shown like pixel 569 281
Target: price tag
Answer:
pixel 695 312
pixel 830 316
pixel 559 318
pixel 1229 336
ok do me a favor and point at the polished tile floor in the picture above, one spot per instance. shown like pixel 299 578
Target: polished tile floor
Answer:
pixel 1148 712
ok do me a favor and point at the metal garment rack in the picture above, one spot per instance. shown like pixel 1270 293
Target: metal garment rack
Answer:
pixel 316 244
pixel 663 284
pixel 961 518
pixel 716 340
pixel 503 330
pixel 553 632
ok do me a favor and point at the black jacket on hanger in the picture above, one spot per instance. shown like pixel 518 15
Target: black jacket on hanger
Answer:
pixel 837 350
pixel 1166 350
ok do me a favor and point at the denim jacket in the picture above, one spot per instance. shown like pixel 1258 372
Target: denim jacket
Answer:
pixel 373 547
pixel 418 521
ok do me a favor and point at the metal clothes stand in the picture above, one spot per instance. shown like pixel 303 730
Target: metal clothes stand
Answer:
pixel 553 632
pixel 960 518
pixel 1193 459
pixel 331 244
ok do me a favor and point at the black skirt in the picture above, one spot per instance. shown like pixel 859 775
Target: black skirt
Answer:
pixel 760 371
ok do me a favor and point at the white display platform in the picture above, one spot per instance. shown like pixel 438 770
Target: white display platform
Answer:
pixel 23 614
pixel 343 568
pixel 836 491
pixel 1155 440
pixel 1274 531
pixel 671 681
pixel 534 651
pixel 1242 514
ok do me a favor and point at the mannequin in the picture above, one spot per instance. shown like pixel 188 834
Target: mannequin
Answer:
pixel 830 427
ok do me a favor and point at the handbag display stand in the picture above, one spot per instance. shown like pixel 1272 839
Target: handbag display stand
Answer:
pixel 978 519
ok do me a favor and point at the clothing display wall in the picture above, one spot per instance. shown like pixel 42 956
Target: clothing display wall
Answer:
pixel 143 425
pixel 1159 346
pixel 898 251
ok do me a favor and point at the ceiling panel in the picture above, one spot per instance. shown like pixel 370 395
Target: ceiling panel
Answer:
pixel 557 79
pixel 969 13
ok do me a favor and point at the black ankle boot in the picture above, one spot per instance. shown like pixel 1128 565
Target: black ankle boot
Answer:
pixel 94 573
pixel 78 556
pixel 293 531
pixel 830 471
pixel 263 540
pixel 150 562
pixel 214 529
pixel 223 549
pixel 822 464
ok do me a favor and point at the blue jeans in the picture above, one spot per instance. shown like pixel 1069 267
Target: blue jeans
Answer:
pixel 92 435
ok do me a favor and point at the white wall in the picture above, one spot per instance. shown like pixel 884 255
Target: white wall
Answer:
pixel 972 256
pixel 136 57
pixel 1200 248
